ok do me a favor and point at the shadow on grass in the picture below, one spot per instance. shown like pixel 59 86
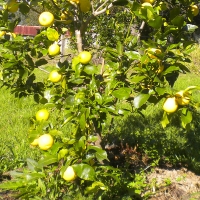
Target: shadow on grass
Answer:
pixel 139 142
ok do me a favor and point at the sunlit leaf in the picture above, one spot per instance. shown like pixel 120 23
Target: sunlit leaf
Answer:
pixel 84 171
pixel 140 100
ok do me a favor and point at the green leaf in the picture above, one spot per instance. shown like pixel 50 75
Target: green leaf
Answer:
pixel 49 159
pixel 133 55
pixel 186 117
pixel 140 100
pixel 164 120
pixel 31 164
pixel 98 98
pixel 137 79
pixel 122 93
pixel 170 69
pixel 119 48
pixel 75 61
pixel 84 171
pixel 48 95
pixel 91 69
pixel 156 23
pixel 62 153
pixel 11 185
pixel 178 21
pixel 52 34
pixel 24 8
pixel 95 187
pixel 40 62
pixel 160 90
pixel 120 2
pixel 100 153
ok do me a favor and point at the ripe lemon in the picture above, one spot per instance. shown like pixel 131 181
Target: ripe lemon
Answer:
pixel 148 1
pixel 2 33
pixel 55 76
pixel 194 9
pixel 182 98
pixel 12 6
pixel 69 174
pixel 46 19
pixel 42 114
pixel 74 1
pixel 146 4
pixel 54 49
pixel 45 141
pixel 35 142
pixel 170 105
pixel 85 57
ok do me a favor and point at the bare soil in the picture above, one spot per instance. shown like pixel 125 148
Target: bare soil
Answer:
pixel 172 184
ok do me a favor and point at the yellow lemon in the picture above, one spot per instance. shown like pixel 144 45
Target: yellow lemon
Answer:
pixel 45 141
pixel 35 142
pixel 54 49
pixel 148 1
pixel 46 19
pixel 85 57
pixel 170 105
pixel 55 76
pixel 42 114
pixel 2 33
pixel 146 4
pixel 69 174
pixel 194 9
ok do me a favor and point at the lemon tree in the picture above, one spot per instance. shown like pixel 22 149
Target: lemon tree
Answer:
pixel 125 53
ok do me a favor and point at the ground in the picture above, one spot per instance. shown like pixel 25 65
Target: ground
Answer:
pixel 178 184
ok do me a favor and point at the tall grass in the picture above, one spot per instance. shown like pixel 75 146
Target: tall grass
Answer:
pixel 14 126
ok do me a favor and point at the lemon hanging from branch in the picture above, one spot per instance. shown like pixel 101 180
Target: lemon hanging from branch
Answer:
pixel 85 5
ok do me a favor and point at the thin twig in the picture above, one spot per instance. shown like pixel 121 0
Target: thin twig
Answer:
pixel 43 70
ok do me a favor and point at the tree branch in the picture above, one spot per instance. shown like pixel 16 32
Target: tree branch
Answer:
pixel 94 14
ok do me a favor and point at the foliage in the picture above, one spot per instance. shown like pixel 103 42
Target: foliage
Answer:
pixel 134 71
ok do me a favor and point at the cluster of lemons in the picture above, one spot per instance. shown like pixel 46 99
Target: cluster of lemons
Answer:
pixel 181 98
pixel 46 19
pixel 45 142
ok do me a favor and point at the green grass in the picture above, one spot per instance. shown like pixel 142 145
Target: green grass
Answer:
pixel 14 125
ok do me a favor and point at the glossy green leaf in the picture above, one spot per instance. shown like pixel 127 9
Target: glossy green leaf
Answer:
pixel 133 55
pixel 50 159
pixel 122 93
pixel 41 62
pixel 91 69
pixel 164 120
pixel 84 171
pixel 186 117
pixel 75 61
pixel 140 100
pixel 156 23
pixel 100 153
pixel 52 34
pixel 178 21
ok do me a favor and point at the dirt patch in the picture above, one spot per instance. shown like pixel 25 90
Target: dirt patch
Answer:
pixel 172 184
